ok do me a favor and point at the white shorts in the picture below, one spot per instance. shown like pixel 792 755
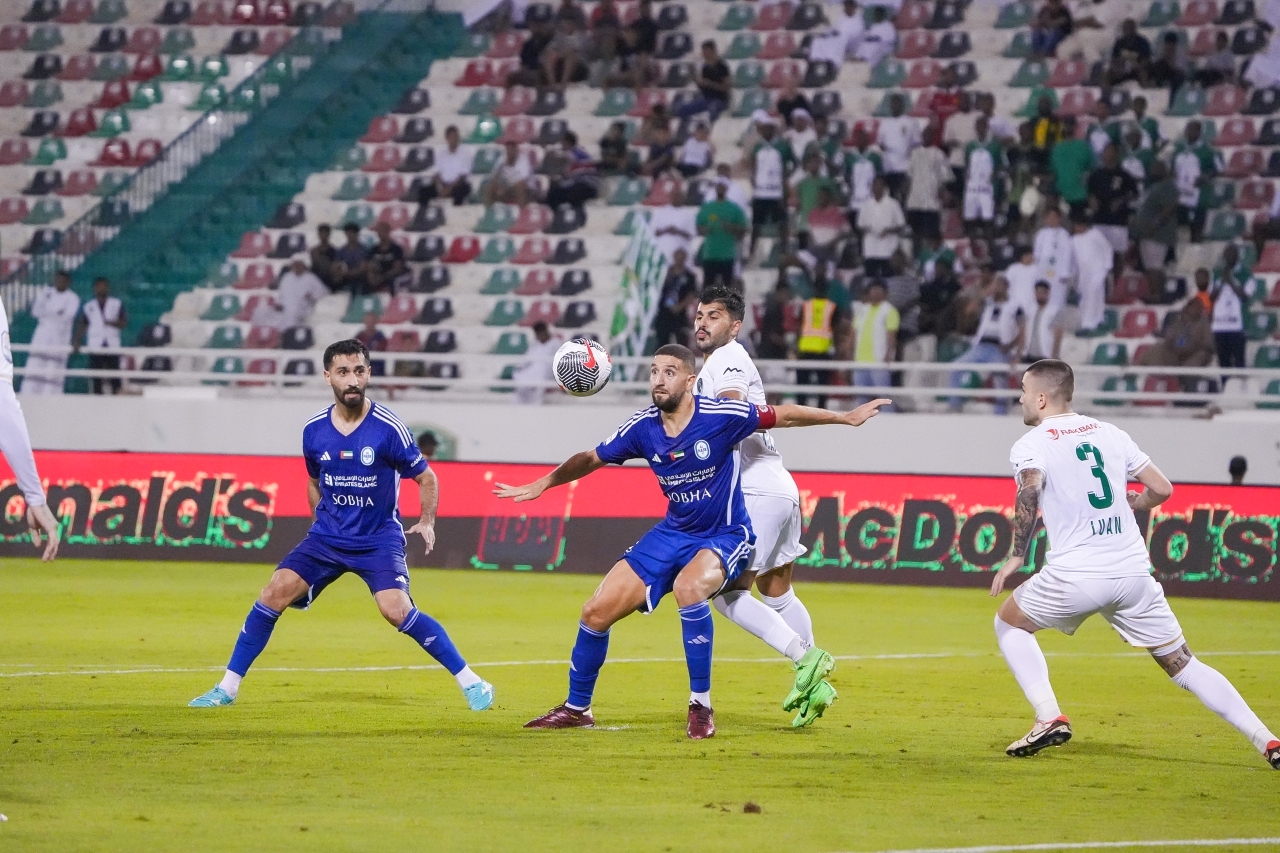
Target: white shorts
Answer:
pixel 979 204
pixel 1134 606
pixel 1117 236
pixel 776 522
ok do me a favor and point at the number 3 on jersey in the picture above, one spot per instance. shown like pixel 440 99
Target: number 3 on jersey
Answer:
pixel 1083 453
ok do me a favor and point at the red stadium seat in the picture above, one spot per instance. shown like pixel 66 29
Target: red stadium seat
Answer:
pixel 777 45
pixel 114 93
pixel 381 129
pixel 251 306
pixel 116 152
pixel 13 37
pixel 75 12
pixel 1245 162
pixel 259 366
pixel 388 187
pixel 13 93
pixel 245 13
pixel 1159 384
pixel 144 40
pixel 921 107
pixel 396 215
pixel 1077 102
pixel 1202 43
pixel 542 311
pixel 78 67
pixel 1129 288
pixel 277 13
pixel 1236 131
pixel 385 158
pixel 870 125
pixel 537 283
pixel 1269 260
pixel 401 309
pixel 916 44
pixel 147 150
pixel 273 42
pixel 253 244
pixel 646 100
pixel 1067 74
pixel 79 182
pixel 505 45
pixel 663 192
pixel 516 102
pixel 772 17
pixel 521 130
pixel 479 72
pixel 782 73
pixel 1138 323
pixel 463 250
pixel 80 122
pixel 211 13
pixel 912 16
pixel 533 219
pixel 1198 13
pixel 256 276
pixel 263 337
pixel 13 152
pixel 12 210
pixel 534 250
pixel 923 74
pixel 9 266
pixel 146 67
pixel 1224 100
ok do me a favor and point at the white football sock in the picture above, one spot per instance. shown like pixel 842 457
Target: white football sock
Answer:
pixel 794 613
pixel 230 683
pixel 1022 653
pixel 466 678
pixel 1219 696
pixel 743 609
pixel 703 699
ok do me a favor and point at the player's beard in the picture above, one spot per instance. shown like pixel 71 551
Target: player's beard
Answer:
pixel 707 345
pixel 346 395
pixel 668 404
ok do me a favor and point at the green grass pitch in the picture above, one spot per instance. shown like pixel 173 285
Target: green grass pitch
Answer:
pixel 390 759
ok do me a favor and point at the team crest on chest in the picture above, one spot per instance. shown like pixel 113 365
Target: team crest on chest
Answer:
pixel 366 455
pixel 701 449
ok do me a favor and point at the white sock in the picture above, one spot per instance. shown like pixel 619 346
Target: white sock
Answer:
pixel 1219 696
pixel 466 678
pixel 794 613
pixel 744 610
pixel 703 699
pixel 230 683
pixel 1022 653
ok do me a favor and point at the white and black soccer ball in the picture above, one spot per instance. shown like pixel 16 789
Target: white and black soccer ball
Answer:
pixel 581 367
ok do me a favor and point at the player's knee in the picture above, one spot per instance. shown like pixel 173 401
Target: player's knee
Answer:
pixel 594 615
pixel 276 596
pixel 394 611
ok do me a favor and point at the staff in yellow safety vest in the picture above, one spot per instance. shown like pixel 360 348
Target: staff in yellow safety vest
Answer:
pixel 817 335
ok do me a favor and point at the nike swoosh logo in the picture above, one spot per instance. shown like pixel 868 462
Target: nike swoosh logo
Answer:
pixel 591 357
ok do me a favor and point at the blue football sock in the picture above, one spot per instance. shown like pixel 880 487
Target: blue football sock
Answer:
pixel 253 637
pixel 432 636
pixel 584 665
pixel 698 630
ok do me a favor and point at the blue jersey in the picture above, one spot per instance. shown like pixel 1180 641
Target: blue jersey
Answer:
pixel 699 470
pixel 359 477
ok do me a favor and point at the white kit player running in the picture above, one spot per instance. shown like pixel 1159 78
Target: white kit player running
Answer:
pixel 773 505
pixel 1075 469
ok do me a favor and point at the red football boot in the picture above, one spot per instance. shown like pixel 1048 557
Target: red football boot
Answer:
pixel 562 717
pixel 702 722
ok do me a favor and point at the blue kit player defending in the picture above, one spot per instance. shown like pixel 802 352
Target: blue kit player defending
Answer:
pixel 702 545
pixel 356 453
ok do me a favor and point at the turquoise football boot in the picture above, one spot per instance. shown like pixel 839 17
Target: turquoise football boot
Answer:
pixel 215 698
pixel 479 695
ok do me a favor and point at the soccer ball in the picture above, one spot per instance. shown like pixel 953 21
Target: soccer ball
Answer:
pixel 581 366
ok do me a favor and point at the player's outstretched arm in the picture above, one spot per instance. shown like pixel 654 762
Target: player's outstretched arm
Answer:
pixel 1157 488
pixel 1026 507
pixel 574 468
pixel 40 519
pixel 803 416
pixel 429 499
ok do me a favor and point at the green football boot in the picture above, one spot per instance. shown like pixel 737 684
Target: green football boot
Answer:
pixel 820 698
pixel 810 670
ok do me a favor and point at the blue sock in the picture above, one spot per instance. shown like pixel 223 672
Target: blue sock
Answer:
pixel 584 665
pixel 432 636
pixel 253 637
pixel 698 630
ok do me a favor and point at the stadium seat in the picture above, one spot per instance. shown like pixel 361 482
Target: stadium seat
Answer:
pixel 47 65
pixel 427 218
pixel 496 218
pixel 1224 100
pixel 440 341
pixel 1161 13
pixel 1198 13
pixel 516 101
pixel 1236 131
pixel 537 282
pixel 1115 355
pixel 256 277
pixel 953 45
pixel 671 16
pixel 1137 323
pixel 615 103
pixel 570 250
pixel 288 245
pixel 501 282
pixel 487 130
pixel 749 74
pixel 1260 325
pixel 263 337
pixel 430 279
pixel 506 312
pixel 777 45
pixel 806 16
pixel 747 45
pixel 677 75
pixel 497 251
pixel 113 123
pixel 534 250
pixel 359 306
pixel 912 15
pixel 354 186
pixel 1129 288
pixel 1066 74
pixel 947 14
pixel 923 74
pixel 43 182
pixel 674 46
pixel 1032 74
pixel 395 215
pixel 12 210
pixel 381 129
pixel 1161 385
pixel 573 282
pixel 771 17
pixel 1189 101
pixel 45 122
pixel 48 210
pixel 1244 162
pixel 542 311
pixel 1225 225
pixel 1248 40
pixel 1112 384
pixel 1262 102
pixel 916 44
pixel 566 219
pixel 1015 16
pixel 1272 390
pixel 663 192
pixel 385 158
pixel 532 219
pixel 520 130
pixel 1267 356
pixel 511 343
pixel 429 248
pixel 226 337
pixel 752 100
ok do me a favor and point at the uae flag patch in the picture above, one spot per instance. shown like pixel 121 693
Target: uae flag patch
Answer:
pixel 346 454
pixel 679 454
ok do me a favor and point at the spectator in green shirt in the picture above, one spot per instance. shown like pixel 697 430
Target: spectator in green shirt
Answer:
pixel 809 189
pixel 721 224
pixel 1071 160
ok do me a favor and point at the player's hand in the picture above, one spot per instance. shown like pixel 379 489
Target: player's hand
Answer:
pixel 520 494
pixel 40 519
pixel 1132 497
pixel 864 413
pixel 428 532
pixel 1002 576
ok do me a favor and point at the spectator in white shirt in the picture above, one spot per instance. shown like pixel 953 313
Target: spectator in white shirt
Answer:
pixel 929 171
pixel 452 169
pixel 1092 253
pixel 1055 256
pixel 55 308
pixel 509 180
pixel 997 340
pixel 879 40
pixel 298 291
pixel 674 229
pixel 897 136
pixel 533 377
pixel 1021 278
pixel 881 221
pixel 1043 328
pixel 801 135
pixel 698 152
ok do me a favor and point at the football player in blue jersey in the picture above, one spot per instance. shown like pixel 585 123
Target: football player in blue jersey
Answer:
pixel 356 453
pixel 702 544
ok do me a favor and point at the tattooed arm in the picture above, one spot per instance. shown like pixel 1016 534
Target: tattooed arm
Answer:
pixel 1026 508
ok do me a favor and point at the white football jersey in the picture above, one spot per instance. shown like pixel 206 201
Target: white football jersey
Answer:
pixel 731 369
pixel 6 354
pixel 1087 464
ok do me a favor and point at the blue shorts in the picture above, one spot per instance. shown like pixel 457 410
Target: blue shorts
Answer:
pixel 662 552
pixel 320 564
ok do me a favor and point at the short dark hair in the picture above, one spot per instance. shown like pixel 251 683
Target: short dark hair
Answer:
pixel 1042 283
pixel 709 43
pixel 62 273
pixel 1057 375
pixel 570 137
pixel 731 300
pixel 681 352
pixel 1238 466
pixel 351 226
pixel 878 282
pixel 350 346
pixel 102 279
pixel 427 437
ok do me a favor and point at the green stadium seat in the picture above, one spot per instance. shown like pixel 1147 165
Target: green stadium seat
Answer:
pixel 179 68
pixel 177 41
pixel 627 226
pixel 1260 325
pixel 486 131
pixel 1272 389
pixel 507 312
pixel 146 95
pixel 749 74
pixel 501 282
pixel 743 46
pixel 45 93
pixel 888 74
pixel 224 274
pixel 44 212
pixel 1188 102
pixel 245 99
pixel 223 307
pixel 1032 106
pixel 278 69
pixel 110 182
pixel 1113 354
pixel 615 103
pixel 354 187
pixel 511 343
pixel 1268 356
pixel 1222 193
pixel 114 66
pixel 629 192
pixel 882 108
pixel 497 218
pixel 350 160
pixel 1030 74
pixel 229 364
pixel 113 123
pixel 752 100
pixel 736 17
pixel 361 305
pixel 1019 47
pixel 481 102
pixel 310 41
pixel 43 39
pixel 51 150
pixel 473 46
pixel 1161 13
pixel 497 251
pixel 213 68
pixel 1015 16
pixel 212 96
pixel 485 160
pixel 361 214
pixel 109 11
pixel 1113 384
pixel 950 348
pixel 226 337
pixel 1225 225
